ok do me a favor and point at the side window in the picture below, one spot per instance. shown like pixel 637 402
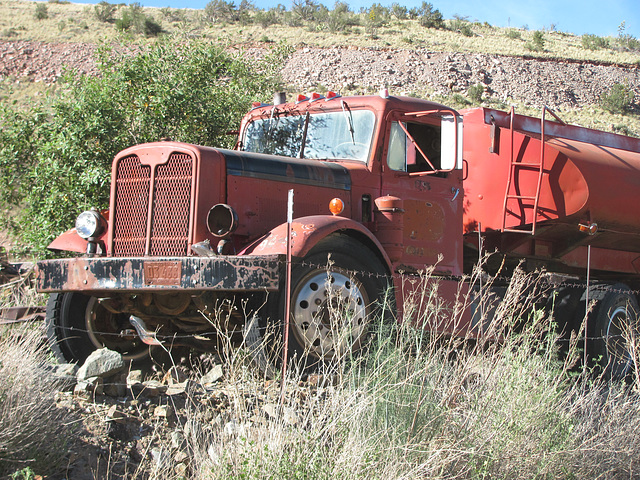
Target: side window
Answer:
pixel 397 155
pixel 407 153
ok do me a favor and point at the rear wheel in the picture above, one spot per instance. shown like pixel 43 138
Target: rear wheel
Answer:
pixel 615 326
pixel 337 291
pixel 77 325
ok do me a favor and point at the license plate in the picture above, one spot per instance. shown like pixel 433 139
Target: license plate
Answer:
pixel 162 272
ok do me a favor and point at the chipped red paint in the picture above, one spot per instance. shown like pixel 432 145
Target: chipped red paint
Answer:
pixel 228 274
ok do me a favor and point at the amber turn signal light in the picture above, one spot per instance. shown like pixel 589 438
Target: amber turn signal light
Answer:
pixel 336 206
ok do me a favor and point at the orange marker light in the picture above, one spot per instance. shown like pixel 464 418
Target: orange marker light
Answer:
pixel 336 206
pixel 590 228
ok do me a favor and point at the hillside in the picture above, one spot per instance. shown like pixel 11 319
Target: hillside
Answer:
pixel 409 59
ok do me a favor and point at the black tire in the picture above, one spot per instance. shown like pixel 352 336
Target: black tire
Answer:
pixel 614 320
pixel 337 291
pixel 77 325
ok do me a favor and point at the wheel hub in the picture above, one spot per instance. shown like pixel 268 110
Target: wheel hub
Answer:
pixel 329 313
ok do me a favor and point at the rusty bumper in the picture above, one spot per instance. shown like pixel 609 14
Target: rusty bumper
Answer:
pixel 224 273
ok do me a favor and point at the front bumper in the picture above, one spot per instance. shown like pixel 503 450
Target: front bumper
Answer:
pixel 220 273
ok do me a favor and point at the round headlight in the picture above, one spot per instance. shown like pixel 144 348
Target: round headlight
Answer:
pixel 89 224
pixel 222 220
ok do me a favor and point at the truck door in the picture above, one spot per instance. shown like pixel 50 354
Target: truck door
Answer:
pixel 419 167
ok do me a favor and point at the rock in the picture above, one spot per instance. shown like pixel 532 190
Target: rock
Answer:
pixel 116 386
pixel 90 386
pixel 212 376
pixel 115 415
pixel 163 411
pixel 271 410
pixel 177 440
pixel 101 363
pixel 134 377
pixel 174 375
pixel 153 388
pixel 289 416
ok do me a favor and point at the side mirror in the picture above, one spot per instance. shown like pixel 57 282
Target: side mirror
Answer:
pixel 451 144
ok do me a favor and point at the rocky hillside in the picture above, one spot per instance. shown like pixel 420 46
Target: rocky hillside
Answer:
pixel 528 81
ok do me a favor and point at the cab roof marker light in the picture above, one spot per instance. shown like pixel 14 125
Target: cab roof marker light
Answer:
pixel 301 98
pixel 330 95
pixel 384 93
pixel 255 105
pixel 315 96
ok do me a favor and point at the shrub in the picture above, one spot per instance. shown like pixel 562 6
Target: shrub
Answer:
pixel 41 12
pixel 32 428
pixel 513 34
pixel 56 161
pixel 619 99
pixel 134 19
pixel 537 42
pixel 626 41
pixel 460 24
pixel 475 93
pixel 104 11
pixel 594 42
pixel 400 12
pixel 428 16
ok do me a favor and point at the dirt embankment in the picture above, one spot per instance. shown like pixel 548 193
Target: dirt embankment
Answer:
pixel 534 82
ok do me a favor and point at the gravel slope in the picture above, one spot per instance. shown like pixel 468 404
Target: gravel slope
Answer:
pixel 529 81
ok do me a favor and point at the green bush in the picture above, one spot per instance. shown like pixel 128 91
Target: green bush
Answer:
pixel 475 93
pixel 428 16
pixel 537 42
pixel 104 11
pixel 514 34
pixel 41 12
pixel 56 161
pixel 594 42
pixel 627 42
pixel 619 99
pixel 134 19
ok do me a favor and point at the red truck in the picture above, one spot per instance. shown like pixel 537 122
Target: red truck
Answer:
pixel 195 239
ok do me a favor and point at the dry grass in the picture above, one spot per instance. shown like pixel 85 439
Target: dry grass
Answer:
pixel 424 406
pixel 418 405
pixel 33 431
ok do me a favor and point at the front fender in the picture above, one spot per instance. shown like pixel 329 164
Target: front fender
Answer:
pixel 69 241
pixel 306 232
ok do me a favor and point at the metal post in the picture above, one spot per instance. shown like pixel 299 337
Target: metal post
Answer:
pixel 586 309
pixel 287 308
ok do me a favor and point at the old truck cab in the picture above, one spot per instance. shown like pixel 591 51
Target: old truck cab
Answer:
pixel 195 240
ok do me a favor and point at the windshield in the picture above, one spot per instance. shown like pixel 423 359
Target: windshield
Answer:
pixel 343 134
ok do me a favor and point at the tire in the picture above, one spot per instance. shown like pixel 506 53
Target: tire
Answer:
pixel 337 291
pixel 77 325
pixel 616 318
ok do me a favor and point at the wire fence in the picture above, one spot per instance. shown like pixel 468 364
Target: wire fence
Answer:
pixel 477 284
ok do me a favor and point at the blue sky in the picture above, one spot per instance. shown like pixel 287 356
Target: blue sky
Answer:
pixel 597 17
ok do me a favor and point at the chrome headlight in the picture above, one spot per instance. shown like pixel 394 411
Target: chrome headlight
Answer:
pixel 89 224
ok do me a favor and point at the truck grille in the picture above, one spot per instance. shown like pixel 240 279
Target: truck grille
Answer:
pixel 168 187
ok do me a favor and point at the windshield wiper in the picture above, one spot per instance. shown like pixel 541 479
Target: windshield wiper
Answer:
pixel 304 135
pixel 349 116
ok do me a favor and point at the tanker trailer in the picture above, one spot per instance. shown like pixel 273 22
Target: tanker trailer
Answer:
pixel 563 198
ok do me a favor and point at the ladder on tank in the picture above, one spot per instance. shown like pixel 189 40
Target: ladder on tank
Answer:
pixel 514 170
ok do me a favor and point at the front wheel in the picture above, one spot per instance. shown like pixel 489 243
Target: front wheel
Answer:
pixel 337 292
pixel 77 325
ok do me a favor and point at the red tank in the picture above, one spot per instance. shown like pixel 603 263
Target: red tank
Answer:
pixel 543 189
